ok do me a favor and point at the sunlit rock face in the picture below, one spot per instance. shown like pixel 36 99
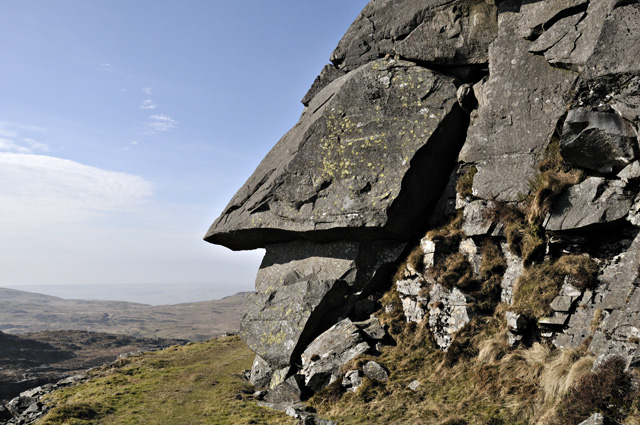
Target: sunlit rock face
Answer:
pixel 338 174
pixel 500 113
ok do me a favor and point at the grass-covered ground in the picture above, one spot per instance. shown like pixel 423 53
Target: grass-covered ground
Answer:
pixel 198 383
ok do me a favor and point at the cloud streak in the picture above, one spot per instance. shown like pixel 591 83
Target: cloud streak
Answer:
pixel 148 104
pixel 160 123
pixel 41 189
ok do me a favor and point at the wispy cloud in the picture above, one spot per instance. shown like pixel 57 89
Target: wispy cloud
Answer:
pixel 147 90
pixel 42 189
pixel 148 104
pixel 25 145
pixel 160 123
pixel 106 67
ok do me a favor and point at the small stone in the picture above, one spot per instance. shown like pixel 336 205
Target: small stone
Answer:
pixel 372 329
pixel 516 322
pixel 413 385
pixel 562 304
pixel 352 380
pixel 558 319
pixel 375 371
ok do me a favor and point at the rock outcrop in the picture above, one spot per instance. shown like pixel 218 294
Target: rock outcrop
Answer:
pixel 515 124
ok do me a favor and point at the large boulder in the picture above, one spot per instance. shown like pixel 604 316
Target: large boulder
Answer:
pixel 599 141
pixel 338 173
pixel 594 201
pixel 322 359
pixel 303 288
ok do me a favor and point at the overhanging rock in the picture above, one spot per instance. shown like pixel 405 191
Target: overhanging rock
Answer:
pixel 338 173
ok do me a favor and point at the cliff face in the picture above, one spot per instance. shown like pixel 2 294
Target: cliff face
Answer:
pixel 493 146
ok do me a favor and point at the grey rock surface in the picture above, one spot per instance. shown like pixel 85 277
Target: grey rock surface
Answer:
pixel 599 141
pixel 414 300
pixel 260 375
pixel 303 288
pixel 322 359
pixel 514 270
pixel 434 31
pixel 375 371
pixel 352 380
pixel 522 101
pixel 338 173
pixel 447 314
pixel 596 200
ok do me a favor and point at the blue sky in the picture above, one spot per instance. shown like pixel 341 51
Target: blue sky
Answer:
pixel 126 127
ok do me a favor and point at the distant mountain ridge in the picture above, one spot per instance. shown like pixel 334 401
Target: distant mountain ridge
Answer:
pixel 24 312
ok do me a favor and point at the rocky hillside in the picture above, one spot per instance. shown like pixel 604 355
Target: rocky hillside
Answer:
pixel 31 360
pixel 23 312
pixel 460 199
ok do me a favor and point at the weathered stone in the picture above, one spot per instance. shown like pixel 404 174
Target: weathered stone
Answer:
pixel 352 380
pixel 19 404
pixel 559 40
pixel 476 220
pixel 594 201
pixel 5 414
pixel 521 103
pixel 375 371
pixel 260 373
pixel 288 391
pixel 458 34
pixel 515 322
pixel 514 270
pixel 322 359
pixel 557 319
pixel 469 248
pixel 372 329
pixel 337 174
pixel 562 304
pixel 599 141
pixel 630 172
pixel 327 75
pixel 304 288
pixel 447 314
pixel 413 385
pixel 435 31
pixel 617 48
pixel 595 419
pixel 413 299
pixel 634 212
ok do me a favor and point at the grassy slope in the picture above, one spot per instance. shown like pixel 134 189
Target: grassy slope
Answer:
pixel 193 384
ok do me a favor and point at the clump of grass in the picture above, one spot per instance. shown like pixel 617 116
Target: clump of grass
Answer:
pixel 449 235
pixel 610 390
pixel 492 269
pixel 526 241
pixel 456 271
pixel 581 269
pixel 392 313
pixel 540 283
pixel 555 175
pixel 413 264
pixel 464 185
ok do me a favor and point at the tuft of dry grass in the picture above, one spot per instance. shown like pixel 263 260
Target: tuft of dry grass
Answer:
pixel 464 185
pixel 555 176
pixel 610 390
pixel 540 283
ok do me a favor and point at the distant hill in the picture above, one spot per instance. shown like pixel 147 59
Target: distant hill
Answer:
pixel 38 358
pixel 24 312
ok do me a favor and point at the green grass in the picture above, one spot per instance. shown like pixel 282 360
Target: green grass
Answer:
pixel 192 384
